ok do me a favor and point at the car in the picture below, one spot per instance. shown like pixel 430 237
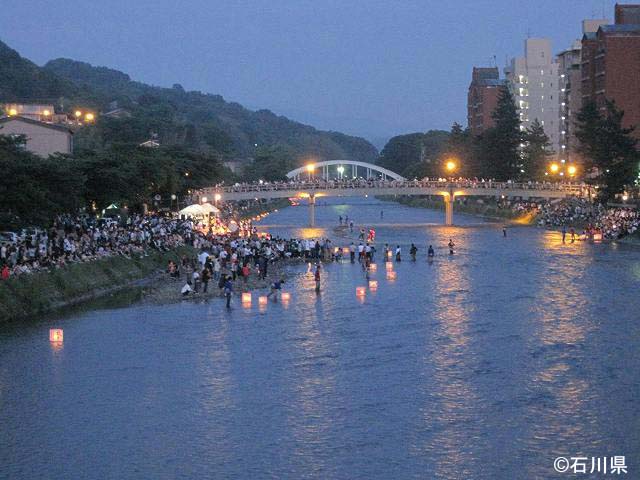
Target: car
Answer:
pixel 9 237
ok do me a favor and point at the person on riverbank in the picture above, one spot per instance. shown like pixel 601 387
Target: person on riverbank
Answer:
pixel 195 277
pixel 205 276
pixel 430 253
pixel 413 251
pixel 186 290
pixel 564 234
pixel 451 245
pixel 228 290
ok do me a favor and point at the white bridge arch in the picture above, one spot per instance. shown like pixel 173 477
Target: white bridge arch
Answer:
pixel 323 167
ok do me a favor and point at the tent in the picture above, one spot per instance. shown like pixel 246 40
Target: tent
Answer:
pixel 209 209
pixel 193 210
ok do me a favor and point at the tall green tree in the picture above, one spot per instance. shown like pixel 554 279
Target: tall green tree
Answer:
pixel 608 148
pixel 414 154
pixel 460 148
pixel 500 145
pixel 535 153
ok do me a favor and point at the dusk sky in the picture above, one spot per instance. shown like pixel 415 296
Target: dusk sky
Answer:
pixel 371 68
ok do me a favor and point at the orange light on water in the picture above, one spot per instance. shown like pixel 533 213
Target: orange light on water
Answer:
pixel 56 335
pixel 373 285
pixel 389 266
pixel 286 296
pixel 373 267
pixel 246 298
pixel 262 300
pixel 361 291
pixel 391 275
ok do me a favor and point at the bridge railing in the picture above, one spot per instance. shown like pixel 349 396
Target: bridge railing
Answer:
pixel 312 186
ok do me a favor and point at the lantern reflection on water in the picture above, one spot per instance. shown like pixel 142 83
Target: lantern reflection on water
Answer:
pixel 391 275
pixel 246 298
pixel 262 300
pixel 56 335
pixel 389 266
pixel 373 267
pixel 286 296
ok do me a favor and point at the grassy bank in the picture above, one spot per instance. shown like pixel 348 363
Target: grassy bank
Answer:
pixel 43 292
pixel 471 208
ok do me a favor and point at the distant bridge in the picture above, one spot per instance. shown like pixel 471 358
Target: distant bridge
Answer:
pixel 321 169
pixel 360 187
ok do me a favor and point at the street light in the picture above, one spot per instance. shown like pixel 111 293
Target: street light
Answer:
pixel 204 199
pixel 13 112
pixel 217 197
pixel 554 168
pixel 310 169
pixel 571 170
pixel 89 117
pixel 450 166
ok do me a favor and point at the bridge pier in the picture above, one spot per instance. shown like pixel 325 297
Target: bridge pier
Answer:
pixel 312 210
pixel 448 210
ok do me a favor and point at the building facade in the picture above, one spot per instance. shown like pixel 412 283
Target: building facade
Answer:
pixel 611 65
pixel 43 138
pixel 482 98
pixel 570 98
pixel 534 82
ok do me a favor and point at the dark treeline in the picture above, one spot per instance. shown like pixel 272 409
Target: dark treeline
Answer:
pixel 33 190
pixel 608 154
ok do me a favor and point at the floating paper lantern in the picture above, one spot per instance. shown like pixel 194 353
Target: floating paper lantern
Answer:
pixel 246 297
pixel 391 275
pixel 336 250
pixel 286 296
pixel 389 266
pixel 361 291
pixel 56 335
pixel 262 300
pixel 346 250
pixel 373 267
pixel 389 254
pixel 373 284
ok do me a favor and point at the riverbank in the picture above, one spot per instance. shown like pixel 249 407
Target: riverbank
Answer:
pixel 45 292
pixel 479 209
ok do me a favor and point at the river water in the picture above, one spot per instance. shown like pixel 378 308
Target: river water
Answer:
pixel 486 364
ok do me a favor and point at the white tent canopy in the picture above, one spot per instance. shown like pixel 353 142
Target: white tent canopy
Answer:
pixel 207 208
pixel 192 210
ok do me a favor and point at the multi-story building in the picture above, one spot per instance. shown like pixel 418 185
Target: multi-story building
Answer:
pixel 534 82
pixel 482 98
pixel 611 65
pixel 570 98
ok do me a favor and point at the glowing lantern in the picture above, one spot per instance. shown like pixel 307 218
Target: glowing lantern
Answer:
pixel 361 291
pixel 389 266
pixel 246 297
pixel 56 335
pixel 286 296
pixel 389 254
pixel 262 300
pixel 373 284
pixel 336 250
pixel 391 275
pixel 373 267
pixel 346 250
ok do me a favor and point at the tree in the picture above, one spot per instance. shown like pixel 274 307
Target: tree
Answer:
pixel 270 164
pixel 608 148
pixel 500 154
pixel 414 154
pixel 460 147
pixel 535 152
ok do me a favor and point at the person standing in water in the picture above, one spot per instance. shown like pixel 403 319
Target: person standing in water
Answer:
pixel 504 231
pixel 381 213
pixel 412 251
pixel 451 245
pixel 398 253
pixel 430 253
pixel 316 277
pixel 228 290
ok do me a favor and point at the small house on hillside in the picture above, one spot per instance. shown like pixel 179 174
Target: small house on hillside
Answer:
pixel 43 138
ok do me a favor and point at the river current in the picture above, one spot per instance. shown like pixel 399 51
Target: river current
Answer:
pixel 486 364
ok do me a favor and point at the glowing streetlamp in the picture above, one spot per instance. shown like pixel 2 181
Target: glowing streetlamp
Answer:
pixel 13 112
pixel 571 170
pixel 554 168
pixel 450 166
pixel 89 117
pixel 46 113
pixel 310 169
pixel 217 198
pixel 204 199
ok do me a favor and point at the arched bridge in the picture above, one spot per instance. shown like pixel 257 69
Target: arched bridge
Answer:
pixel 360 187
pixel 322 170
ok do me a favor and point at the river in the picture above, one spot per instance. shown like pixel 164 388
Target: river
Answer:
pixel 486 364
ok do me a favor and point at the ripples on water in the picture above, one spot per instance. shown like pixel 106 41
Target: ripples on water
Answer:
pixel 487 364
